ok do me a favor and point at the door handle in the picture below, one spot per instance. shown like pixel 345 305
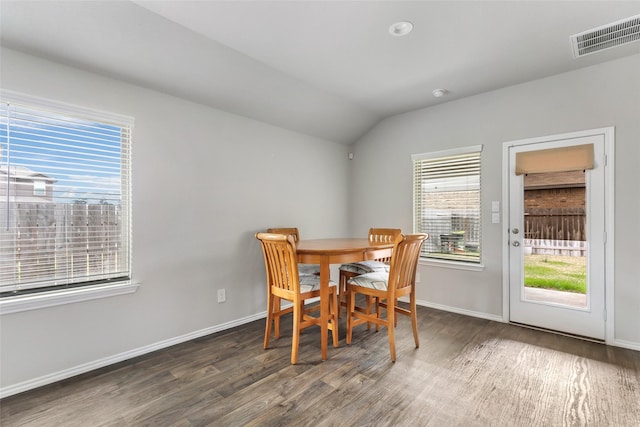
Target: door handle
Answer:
pixel 516 243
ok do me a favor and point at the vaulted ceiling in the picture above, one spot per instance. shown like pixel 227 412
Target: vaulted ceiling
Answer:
pixel 329 69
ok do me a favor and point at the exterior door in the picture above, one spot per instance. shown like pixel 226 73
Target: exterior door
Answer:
pixel 576 313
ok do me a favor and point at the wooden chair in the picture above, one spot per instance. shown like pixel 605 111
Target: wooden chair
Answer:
pixel 303 270
pixel 284 282
pixel 348 271
pixel 387 288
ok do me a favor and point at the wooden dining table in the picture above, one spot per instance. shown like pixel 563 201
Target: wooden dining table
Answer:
pixel 336 251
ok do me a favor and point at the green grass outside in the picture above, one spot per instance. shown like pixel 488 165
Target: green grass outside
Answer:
pixel 562 273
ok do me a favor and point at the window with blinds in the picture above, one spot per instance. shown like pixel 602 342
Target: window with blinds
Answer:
pixel 64 196
pixel 446 194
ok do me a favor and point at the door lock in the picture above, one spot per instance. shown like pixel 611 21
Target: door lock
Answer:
pixel 515 231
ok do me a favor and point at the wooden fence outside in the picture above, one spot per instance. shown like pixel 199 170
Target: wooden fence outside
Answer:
pixel 59 241
pixel 555 224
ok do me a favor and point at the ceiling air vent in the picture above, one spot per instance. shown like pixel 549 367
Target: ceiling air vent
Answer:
pixel 607 36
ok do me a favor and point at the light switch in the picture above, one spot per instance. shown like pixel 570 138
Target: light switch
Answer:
pixel 495 206
pixel 495 217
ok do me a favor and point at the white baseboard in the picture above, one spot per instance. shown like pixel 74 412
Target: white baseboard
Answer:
pixel 627 344
pixel 458 310
pixel 101 363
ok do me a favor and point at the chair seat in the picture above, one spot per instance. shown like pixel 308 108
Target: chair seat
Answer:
pixel 309 283
pixel 365 267
pixel 375 280
pixel 309 269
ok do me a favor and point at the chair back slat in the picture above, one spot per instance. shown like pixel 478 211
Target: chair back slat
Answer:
pixel 383 235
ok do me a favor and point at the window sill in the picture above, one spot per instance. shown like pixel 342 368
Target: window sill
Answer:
pixel 68 296
pixel 456 265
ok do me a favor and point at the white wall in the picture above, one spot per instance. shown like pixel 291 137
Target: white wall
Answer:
pixel 595 97
pixel 204 181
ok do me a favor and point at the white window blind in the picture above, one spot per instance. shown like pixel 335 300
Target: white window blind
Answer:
pixel 65 175
pixel 446 194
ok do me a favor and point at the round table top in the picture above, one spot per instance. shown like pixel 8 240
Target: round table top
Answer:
pixel 337 245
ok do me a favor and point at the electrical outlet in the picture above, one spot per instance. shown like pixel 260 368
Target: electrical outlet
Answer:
pixel 417 277
pixel 222 295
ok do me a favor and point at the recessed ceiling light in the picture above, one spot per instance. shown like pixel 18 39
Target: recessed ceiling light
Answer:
pixel 401 28
pixel 439 92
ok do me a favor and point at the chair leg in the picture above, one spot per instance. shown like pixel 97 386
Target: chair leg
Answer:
pixel 342 286
pixel 350 309
pixel 295 341
pixel 378 312
pixel 301 311
pixel 334 317
pixel 267 329
pixel 391 316
pixel 414 319
pixel 369 305
pixel 276 319
pixel 395 304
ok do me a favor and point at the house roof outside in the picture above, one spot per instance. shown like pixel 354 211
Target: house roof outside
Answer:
pixel 24 173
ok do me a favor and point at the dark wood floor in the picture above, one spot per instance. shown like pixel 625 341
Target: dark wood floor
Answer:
pixel 467 372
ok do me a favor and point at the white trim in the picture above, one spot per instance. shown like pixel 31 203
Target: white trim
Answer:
pixel 506 200
pixel 110 360
pixel 447 153
pixel 63 107
pixel 455 265
pixel 609 147
pixel 66 296
pixel 456 310
pixel 626 344
pixel 609 227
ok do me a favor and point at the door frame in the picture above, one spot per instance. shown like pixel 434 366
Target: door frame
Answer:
pixel 609 200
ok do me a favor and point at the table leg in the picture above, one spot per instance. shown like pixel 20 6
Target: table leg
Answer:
pixel 324 305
